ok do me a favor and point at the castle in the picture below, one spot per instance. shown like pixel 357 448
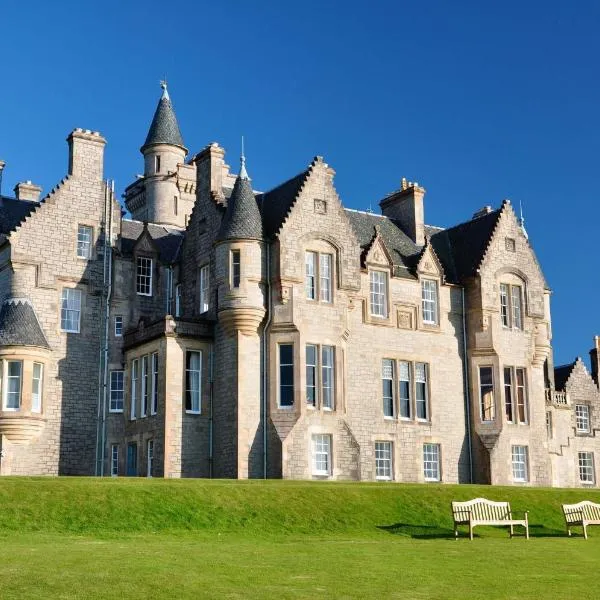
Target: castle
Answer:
pixel 224 332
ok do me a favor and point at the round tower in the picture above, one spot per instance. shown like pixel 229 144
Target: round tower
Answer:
pixel 163 151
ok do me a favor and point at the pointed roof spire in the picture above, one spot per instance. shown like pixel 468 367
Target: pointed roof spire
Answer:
pixel 164 128
pixel 522 222
pixel 242 219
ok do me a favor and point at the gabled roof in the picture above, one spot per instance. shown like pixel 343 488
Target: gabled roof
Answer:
pixel 13 211
pixel 561 375
pixel 19 325
pixel 168 240
pixel 164 128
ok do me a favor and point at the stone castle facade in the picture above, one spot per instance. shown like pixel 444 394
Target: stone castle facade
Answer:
pixel 224 332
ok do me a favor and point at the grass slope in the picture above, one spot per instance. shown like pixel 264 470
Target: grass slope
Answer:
pixel 135 538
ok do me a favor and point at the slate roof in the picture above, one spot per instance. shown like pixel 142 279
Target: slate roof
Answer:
pixel 168 240
pixel 164 128
pixel 19 325
pixel 561 374
pixel 13 211
pixel 242 219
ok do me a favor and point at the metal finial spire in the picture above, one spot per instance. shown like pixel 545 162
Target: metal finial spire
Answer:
pixel 243 172
pixel 163 85
pixel 522 221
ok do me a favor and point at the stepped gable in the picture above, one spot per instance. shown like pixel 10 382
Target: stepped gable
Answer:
pixel 168 240
pixel 403 251
pixel 164 128
pixel 561 375
pixel 19 325
pixel 13 212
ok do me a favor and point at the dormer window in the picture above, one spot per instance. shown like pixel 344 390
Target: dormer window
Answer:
pixel 144 276
pixel 378 294
pixel 157 164
pixel 429 297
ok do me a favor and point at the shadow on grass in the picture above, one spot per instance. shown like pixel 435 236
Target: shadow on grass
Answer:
pixel 427 532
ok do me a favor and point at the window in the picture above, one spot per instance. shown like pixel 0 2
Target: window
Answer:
pixel 511 313
pixel 150 458
pixel 118 325
pixel 520 466
pixel 114 460
pixel 157 163
pixel 70 310
pixel 378 287
pixel 36 387
pixel 154 406
pixel 515 395
pixel 429 301
pixel 383 460
pixel 586 467
pixel 311 375
pixel 582 418
pixel 204 288
pixel 12 394
pixel 431 462
pixel 421 390
pixel 132 459
pixel 327 370
pixel 134 387
pixel 321 454
pixel 404 387
pixel 387 381
pixel 175 205
pixel 549 425
pixel 521 396
pixel 178 300
pixel 508 395
pixel 486 394
pixel 286 375
pixel 84 241
pixel 236 268
pixel 145 387
pixel 325 357
pixel 144 276
pixel 193 381
pixel 318 282
pixel 117 391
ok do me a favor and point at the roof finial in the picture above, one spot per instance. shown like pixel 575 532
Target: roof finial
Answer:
pixel 522 221
pixel 163 85
pixel 243 172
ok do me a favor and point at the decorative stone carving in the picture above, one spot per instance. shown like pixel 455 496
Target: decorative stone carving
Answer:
pixel 405 320
pixel 284 294
pixel 320 206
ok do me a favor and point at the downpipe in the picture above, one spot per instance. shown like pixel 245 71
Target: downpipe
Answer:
pixel 467 386
pixel 264 353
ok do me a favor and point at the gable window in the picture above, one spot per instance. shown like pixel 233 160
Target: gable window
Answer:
pixel 318 283
pixel 429 298
pixel 144 276
pixel 134 387
pixel 70 310
pixel 36 387
pixel 84 241
pixel 387 381
pixel 582 418
pixel 486 394
pixel 145 381
pixel 114 460
pixel 204 288
pixel 383 461
pixel 321 454
pixel 511 306
pixel 520 463
pixel 117 391
pixel 378 293
pixel 236 268
pixel 178 300
pixel 586 467
pixel 286 375
pixel 118 325
pixel 154 405
pixel 12 392
pixel 150 458
pixel 193 381
pixel 515 395
pixel 431 462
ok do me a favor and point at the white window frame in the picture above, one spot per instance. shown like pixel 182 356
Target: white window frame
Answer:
pixel 321 459
pixel 144 271
pixel 429 301
pixel 387 388
pixel 7 379
pixel 520 463
pixel 586 468
pixel 149 457
pixel 505 305
pixel 421 382
pixel 118 325
pixel 178 300
pixel 117 391
pixel 37 382
pixel 384 461
pixel 154 396
pixel 85 238
pixel 493 396
pixel 135 372
pixel 280 385
pixel 582 418
pixel 405 376
pixel 312 374
pixel 195 396
pixel 114 460
pixel 144 377
pixel 324 376
pixel 310 266
pixel 511 306
pixel 204 288
pixel 318 285
pixel 431 462
pixel 378 294
pixel 70 310
pixel 325 277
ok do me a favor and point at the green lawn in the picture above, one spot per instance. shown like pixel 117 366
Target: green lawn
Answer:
pixel 133 538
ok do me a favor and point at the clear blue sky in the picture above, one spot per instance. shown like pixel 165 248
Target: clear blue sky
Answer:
pixel 477 102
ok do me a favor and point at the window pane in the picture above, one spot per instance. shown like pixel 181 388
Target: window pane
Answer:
pixel 521 396
pixel 327 371
pixel 404 390
pixel 36 388
pixel 383 460
pixel 286 375
pixel 586 467
pixel 582 417
pixel 204 288
pixel 154 408
pixel 144 276
pixel 486 391
pixel 504 305
pixel 508 396
pixel 421 390
pixel 193 381
pixel 378 293
pixel 134 388
pixel 325 277
pixel 516 306
pixel 311 375
pixel 118 325
pixel 70 311
pixel 114 460
pixel 235 268
pixel 311 269
pixel 387 381
pixel 429 301
pixel 13 391
pixel 520 463
pixel 321 454
pixel 84 241
pixel 431 462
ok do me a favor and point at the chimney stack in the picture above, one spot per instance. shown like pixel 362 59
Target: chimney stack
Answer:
pixel 406 207
pixel 86 154
pixel 210 165
pixel 595 358
pixel 28 191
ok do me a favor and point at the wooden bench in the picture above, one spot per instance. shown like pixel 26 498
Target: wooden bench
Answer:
pixel 583 513
pixel 485 512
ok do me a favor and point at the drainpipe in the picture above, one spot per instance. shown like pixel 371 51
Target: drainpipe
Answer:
pixel 211 363
pixel 264 353
pixel 466 376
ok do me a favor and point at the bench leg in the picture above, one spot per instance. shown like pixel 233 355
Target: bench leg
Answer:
pixel 569 531
pixel 527 531
pixel 470 531
pixel 456 532
pixel 511 532
pixel 585 530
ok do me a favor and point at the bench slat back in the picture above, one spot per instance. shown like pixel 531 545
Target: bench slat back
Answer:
pixel 590 511
pixel 481 510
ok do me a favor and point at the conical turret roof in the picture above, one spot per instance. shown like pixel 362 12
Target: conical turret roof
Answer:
pixel 242 219
pixel 164 128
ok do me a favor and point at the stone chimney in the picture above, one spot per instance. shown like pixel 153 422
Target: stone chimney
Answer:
pixel 86 154
pixel 406 207
pixel 210 163
pixel 28 191
pixel 595 358
pixel 485 210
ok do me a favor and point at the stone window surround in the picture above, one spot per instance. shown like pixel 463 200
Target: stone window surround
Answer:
pixel 319 250
pixel 512 278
